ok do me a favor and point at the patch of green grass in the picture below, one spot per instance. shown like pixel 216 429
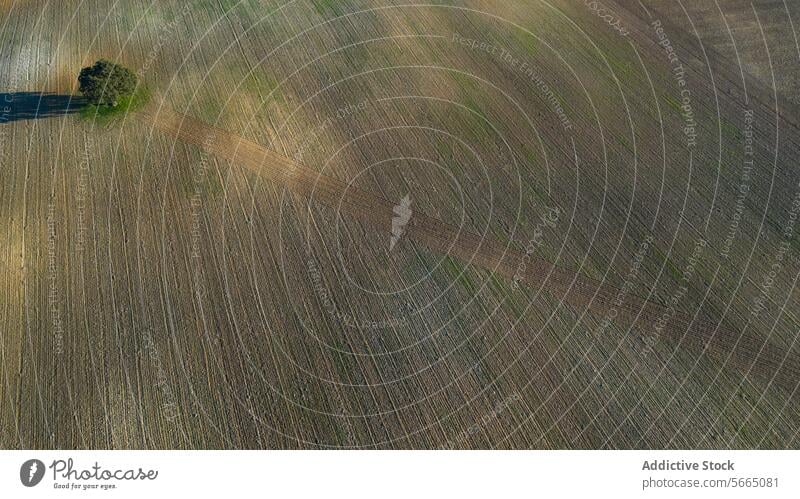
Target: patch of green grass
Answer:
pixel 101 114
pixel 561 100
pixel 480 119
pixel 673 270
pixel 529 164
pixel 622 68
pixel 469 89
pixel 228 5
pixel 324 7
pixel 624 143
pixel 264 85
pixel 224 5
pixel 730 130
pixel 210 108
pixel 669 266
pixel 673 103
pixel 445 149
pixel 529 42
pixel 457 270
pixel 794 242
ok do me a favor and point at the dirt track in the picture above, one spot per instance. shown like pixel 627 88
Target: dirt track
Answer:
pixel 747 353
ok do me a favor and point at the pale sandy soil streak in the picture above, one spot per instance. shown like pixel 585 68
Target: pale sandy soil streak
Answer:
pixel 746 352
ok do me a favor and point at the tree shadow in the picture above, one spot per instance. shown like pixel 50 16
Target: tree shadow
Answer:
pixel 19 106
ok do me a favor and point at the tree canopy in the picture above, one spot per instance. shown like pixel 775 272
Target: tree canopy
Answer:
pixel 106 83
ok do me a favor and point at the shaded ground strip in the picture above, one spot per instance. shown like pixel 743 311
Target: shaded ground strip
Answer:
pixel 18 106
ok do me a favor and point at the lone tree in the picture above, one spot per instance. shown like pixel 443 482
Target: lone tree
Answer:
pixel 106 83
